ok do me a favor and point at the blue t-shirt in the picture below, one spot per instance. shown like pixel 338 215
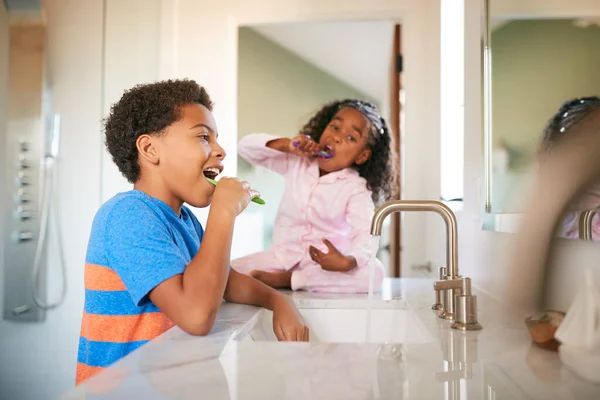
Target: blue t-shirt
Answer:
pixel 136 243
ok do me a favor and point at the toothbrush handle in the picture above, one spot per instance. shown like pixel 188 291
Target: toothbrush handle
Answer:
pixel 256 200
pixel 320 152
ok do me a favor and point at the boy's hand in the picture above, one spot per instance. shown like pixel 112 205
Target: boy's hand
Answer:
pixel 287 322
pixel 333 260
pixel 306 146
pixel 233 195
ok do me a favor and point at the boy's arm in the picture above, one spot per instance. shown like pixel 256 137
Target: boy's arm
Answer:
pixel 287 324
pixel 572 165
pixel 191 299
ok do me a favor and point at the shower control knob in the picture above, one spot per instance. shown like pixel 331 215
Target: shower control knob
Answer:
pixel 23 145
pixel 22 180
pixel 22 236
pixel 22 214
pixel 21 197
pixel 23 164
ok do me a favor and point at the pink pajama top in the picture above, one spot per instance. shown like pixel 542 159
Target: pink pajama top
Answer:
pixel 336 206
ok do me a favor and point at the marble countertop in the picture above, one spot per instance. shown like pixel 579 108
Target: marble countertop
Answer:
pixel 498 362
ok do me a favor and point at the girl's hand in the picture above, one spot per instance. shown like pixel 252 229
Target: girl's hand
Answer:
pixel 333 260
pixel 232 196
pixel 306 146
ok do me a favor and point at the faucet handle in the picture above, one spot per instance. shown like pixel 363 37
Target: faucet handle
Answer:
pixel 448 283
pixel 448 288
pixel 438 295
pixel 466 309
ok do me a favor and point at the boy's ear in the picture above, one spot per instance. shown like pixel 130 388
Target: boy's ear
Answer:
pixel 147 149
pixel 363 157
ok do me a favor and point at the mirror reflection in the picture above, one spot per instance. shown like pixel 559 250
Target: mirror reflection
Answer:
pixel 543 81
pixel 298 85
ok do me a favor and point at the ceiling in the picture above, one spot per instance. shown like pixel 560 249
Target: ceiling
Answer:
pixel 357 53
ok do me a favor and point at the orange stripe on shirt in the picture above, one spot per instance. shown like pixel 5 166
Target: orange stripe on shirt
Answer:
pixel 98 277
pixel 84 372
pixel 124 328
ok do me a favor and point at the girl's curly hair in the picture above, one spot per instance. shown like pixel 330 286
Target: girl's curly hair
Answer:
pixel 379 168
pixel 570 114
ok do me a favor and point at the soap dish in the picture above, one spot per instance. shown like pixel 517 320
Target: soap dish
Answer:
pixel 542 327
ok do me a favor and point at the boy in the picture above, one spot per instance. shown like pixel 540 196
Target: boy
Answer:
pixel 145 269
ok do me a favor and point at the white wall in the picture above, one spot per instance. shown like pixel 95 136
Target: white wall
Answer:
pixel 485 256
pixel 131 57
pixel 38 360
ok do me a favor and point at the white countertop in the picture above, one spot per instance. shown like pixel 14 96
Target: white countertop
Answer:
pixel 498 362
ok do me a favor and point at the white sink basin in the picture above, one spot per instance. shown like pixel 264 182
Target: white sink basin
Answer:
pixel 347 326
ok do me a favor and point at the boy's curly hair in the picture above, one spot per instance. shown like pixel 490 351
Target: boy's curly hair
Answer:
pixel 379 169
pixel 147 109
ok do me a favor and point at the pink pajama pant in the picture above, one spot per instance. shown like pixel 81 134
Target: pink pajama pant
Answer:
pixel 308 275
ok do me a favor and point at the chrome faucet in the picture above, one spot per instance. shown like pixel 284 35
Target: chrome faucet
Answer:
pixel 450 283
pixel 585 224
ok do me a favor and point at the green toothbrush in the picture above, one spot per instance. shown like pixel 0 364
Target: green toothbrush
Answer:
pixel 257 200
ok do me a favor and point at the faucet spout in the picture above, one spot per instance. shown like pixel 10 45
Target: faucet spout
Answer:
pixel 424 205
pixel 453 295
pixel 585 224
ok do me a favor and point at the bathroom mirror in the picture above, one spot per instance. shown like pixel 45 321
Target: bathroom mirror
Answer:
pixel 293 69
pixel 534 60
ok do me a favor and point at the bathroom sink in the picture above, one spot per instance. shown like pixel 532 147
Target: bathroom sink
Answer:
pixel 346 326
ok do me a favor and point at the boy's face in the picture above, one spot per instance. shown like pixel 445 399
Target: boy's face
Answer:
pixel 188 153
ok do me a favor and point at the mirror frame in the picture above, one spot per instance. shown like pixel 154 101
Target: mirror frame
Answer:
pixel 486 101
pixel 506 222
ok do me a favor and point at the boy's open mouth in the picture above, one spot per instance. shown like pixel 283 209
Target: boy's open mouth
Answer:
pixel 212 172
